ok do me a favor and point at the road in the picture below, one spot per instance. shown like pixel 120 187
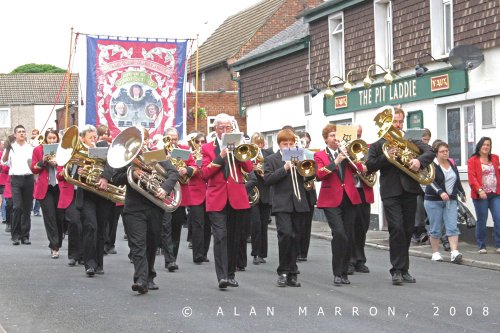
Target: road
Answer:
pixel 40 294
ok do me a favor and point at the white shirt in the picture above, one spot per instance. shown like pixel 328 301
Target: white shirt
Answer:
pixel 19 159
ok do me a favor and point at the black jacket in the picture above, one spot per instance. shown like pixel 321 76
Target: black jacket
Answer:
pixel 434 190
pixel 394 181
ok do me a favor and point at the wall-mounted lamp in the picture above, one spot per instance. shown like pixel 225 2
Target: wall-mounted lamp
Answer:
pixel 388 77
pixel 421 69
pixel 316 88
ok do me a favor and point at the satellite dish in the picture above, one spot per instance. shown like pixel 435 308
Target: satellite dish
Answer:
pixel 466 57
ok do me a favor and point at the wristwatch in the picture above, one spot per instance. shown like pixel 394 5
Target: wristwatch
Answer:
pixel 479 191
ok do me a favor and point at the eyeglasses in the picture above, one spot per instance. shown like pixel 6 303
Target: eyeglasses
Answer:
pixel 227 128
pixel 199 141
pixel 443 151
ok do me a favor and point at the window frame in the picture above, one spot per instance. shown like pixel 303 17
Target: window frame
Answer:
pixel 440 45
pixel 493 123
pixel 384 34
pixel 8 123
pixel 336 67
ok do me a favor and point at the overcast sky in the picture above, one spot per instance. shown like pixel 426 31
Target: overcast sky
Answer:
pixel 34 31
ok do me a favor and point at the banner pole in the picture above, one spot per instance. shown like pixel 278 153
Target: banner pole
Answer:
pixel 196 87
pixel 68 75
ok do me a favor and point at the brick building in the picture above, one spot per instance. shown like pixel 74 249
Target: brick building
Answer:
pixel 236 36
pixel 454 93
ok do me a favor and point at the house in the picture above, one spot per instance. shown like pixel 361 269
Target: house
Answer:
pixel 452 44
pixel 32 99
pixel 235 37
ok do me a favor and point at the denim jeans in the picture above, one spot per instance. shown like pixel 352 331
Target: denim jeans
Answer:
pixel 3 208
pixel 492 202
pixel 442 213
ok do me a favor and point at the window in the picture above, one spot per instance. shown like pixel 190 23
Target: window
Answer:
pixel 441 27
pixel 202 81
pixel 307 105
pixel 461 135
pixel 210 126
pixel 487 114
pixel 5 118
pixel 336 28
pixel 383 33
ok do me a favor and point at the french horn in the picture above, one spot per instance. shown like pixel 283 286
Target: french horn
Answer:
pixel 125 149
pixel 406 150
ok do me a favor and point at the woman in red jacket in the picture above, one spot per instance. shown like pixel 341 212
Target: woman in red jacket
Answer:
pixel 47 191
pixel 484 181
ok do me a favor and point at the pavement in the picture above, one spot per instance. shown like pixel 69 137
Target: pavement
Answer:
pixel 380 240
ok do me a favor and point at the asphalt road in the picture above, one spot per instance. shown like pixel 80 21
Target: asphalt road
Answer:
pixel 40 294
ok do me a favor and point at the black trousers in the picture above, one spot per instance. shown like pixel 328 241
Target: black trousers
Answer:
pixel 143 232
pixel 200 231
pixel 8 210
pixel 341 221
pixel 224 226
pixel 112 225
pixel 22 199
pixel 242 233
pixel 361 225
pixel 288 225
pixel 171 233
pixel 400 214
pixel 73 217
pixel 53 219
pixel 304 237
pixel 94 217
pixel 259 218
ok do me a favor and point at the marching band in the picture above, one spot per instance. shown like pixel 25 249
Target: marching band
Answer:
pixel 226 188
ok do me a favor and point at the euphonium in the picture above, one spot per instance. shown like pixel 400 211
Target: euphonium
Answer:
pixel 72 152
pixel 406 150
pixel 125 149
pixel 254 194
pixel 358 152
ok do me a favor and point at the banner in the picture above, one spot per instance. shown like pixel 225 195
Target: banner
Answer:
pixel 135 83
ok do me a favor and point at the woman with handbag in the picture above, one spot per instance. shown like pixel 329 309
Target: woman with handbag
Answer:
pixel 484 181
pixel 440 202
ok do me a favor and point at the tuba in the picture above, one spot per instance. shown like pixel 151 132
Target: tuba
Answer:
pixel 125 149
pixel 406 150
pixel 72 152
pixel 358 153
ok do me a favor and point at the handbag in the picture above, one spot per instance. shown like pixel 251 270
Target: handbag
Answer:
pixel 465 216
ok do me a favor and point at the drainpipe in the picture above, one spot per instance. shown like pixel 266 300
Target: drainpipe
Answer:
pixel 240 110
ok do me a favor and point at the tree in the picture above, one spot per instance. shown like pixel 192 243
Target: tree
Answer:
pixel 37 68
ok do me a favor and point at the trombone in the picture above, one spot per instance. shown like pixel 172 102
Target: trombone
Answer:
pixel 243 152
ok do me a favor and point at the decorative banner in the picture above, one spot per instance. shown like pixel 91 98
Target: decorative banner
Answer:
pixel 135 83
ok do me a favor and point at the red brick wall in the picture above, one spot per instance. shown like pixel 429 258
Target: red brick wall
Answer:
pixel 476 22
pixel 214 103
pixel 217 78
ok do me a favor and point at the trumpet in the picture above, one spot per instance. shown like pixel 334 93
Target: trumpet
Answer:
pixel 195 149
pixel 177 163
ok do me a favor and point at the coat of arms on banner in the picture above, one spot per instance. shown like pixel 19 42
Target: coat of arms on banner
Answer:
pixel 135 83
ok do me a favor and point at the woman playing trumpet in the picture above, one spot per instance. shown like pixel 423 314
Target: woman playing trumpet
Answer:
pixel 47 191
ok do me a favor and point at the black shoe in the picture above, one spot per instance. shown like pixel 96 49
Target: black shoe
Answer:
pixel 249 239
pixel 81 262
pixel 345 280
pixel 301 259
pixel 72 262
pixel 90 271
pixel 361 268
pixel 7 228
pixel 223 283
pixel 26 241
pixel 170 266
pixel 112 250
pixel 241 269
pixel 125 237
pixel 423 237
pixel 99 271
pixel 397 279
pixel 350 269
pixel 256 260
pixel 206 259
pixel 232 283
pixel 281 281
pixel 190 245
pixel 407 278
pixel 337 280
pixel 152 285
pixel 140 288
pixel 15 242
pixel 262 260
pixel 292 282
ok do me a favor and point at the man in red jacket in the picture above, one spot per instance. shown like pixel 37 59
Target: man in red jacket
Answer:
pixel 226 200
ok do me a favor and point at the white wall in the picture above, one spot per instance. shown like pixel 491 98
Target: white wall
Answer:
pixel 43 116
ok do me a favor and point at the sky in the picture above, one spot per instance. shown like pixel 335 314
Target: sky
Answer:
pixel 34 31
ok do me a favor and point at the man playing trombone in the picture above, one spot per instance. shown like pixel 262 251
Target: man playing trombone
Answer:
pixel 226 199
pixel 289 206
